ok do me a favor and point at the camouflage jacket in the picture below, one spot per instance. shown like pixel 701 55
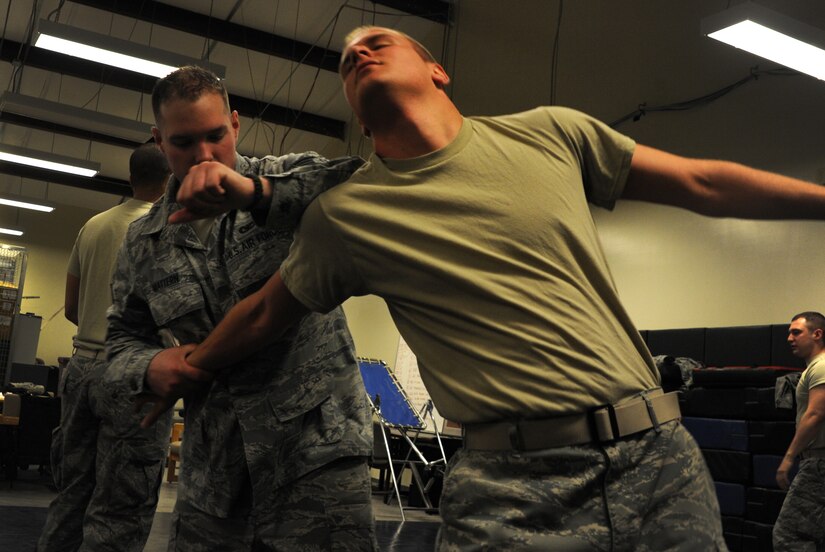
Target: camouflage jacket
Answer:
pixel 280 413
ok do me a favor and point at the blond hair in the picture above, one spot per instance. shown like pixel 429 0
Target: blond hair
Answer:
pixel 364 29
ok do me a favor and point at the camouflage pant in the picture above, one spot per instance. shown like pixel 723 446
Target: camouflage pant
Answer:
pixel 329 509
pixel 646 493
pixel 107 470
pixel 800 526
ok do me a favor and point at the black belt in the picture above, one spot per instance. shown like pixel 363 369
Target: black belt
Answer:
pixel 647 410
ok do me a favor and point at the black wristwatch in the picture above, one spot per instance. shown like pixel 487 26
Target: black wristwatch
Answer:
pixel 257 193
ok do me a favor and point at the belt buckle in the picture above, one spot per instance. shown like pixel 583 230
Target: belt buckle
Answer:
pixel 611 416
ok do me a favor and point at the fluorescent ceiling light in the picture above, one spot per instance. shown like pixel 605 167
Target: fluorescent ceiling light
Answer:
pixel 116 52
pixel 49 161
pixel 770 35
pixel 24 203
pixel 11 232
pixel 77 117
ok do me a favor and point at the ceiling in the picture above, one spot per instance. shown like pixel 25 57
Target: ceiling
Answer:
pixel 280 58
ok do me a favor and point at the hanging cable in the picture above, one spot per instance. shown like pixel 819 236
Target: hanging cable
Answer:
pixel 755 73
pixel 554 64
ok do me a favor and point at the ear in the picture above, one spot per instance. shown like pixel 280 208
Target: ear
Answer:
pixel 364 130
pixel 158 140
pixel 817 334
pixel 236 123
pixel 440 77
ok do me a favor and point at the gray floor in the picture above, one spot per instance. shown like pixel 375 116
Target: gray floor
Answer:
pixel 33 490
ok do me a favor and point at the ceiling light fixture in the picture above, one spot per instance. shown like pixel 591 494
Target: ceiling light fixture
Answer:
pixel 49 161
pixel 11 232
pixel 116 52
pixel 78 117
pixel 24 203
pixel 770 35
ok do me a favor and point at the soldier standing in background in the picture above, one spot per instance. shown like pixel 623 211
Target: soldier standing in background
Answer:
pixel 106 468
pixel 799 527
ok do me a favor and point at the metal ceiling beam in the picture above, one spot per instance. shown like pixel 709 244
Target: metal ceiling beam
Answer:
pixel 434 10
pixel 223 31
pixel 97 183
pixel 253 39
pixel 40 124
pixel 89 70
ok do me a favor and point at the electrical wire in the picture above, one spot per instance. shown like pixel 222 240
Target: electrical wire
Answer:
pixel 554 64
pixel 5 24
pixel 755 73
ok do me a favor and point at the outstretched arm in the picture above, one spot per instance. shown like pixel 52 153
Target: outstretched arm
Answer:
pixel 720 188
pixel 254 322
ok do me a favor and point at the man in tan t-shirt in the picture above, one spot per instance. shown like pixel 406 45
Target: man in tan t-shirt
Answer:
pixel 493 273
pixel 799 527
pixel 106 468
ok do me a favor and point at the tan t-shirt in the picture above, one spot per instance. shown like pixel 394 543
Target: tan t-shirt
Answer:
pixel 92 260
pixel 490 264
pixel 812 376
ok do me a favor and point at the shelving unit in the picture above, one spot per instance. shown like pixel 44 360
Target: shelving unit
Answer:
pixel 12 275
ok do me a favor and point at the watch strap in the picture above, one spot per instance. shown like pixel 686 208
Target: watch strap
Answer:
pixel 257 193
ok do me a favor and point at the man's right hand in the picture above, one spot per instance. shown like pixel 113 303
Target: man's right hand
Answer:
pixel 211 188
pixel 170 377
pixel 783 479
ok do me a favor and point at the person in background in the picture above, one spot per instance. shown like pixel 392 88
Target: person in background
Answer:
pixel 274 455
pixel 800 526
pixel 106 468
pixel 476 231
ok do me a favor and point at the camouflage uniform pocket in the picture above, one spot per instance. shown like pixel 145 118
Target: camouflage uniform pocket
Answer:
pixel 321 425
pixel 175 302
pixel 302 397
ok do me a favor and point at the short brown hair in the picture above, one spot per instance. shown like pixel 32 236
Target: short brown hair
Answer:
pixel 813 320
pixel 187 83
pixel 148 166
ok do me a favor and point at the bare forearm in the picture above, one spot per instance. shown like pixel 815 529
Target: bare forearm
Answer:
pixel 242 330
pixel 249 326
pixel 720 188
pixel 806 431
pixel 739 191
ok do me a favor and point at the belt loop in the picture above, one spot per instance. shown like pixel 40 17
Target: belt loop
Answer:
pixel 614 422
pixel 515 436
pixel 596 427
pixel 650 412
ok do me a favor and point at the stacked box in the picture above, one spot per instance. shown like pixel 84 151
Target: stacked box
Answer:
pixel 731 412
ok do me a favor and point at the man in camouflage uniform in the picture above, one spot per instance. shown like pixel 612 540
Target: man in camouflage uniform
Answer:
pixel 106 468
pixel 800 526
pixel 274 452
